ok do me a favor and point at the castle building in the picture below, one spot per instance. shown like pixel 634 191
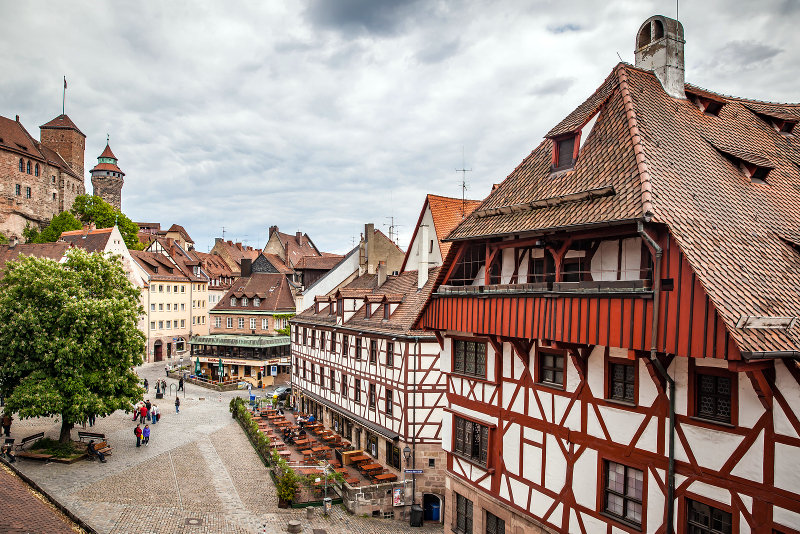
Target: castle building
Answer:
pixel 107 179
pixel 38 179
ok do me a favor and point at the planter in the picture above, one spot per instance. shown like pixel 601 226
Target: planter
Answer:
pixel 283 504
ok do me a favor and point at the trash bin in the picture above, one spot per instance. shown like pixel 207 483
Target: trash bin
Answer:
pixel 327 503
pixel 433 512
pixel 416 515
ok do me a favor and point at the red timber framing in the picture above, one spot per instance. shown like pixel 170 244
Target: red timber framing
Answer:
pixel 563 437
pixel 689 325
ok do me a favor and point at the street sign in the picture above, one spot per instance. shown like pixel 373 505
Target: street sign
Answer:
pixel 414 471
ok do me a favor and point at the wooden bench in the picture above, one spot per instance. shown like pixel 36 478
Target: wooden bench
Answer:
pixel 90 435
pixel 101 446
pixel 33 455
pixel 27 440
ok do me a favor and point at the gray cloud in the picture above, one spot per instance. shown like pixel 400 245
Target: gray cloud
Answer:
pixel 322 116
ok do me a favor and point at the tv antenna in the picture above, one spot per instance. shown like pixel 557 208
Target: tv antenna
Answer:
pixel 223 233
pixel 464 185
pixel 392 226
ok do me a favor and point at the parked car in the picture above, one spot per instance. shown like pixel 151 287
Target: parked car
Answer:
pixel 281 392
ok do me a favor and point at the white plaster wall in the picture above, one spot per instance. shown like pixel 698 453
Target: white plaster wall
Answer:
pixel 480 278
pixel 750 408
pixel 478 416
pixel 584 483
pixel 604 261
pixel 511 443
pixel 532 465
pixel 787 467
pixel 786 517
pixel 555 474
pixel 647 389
pixel 447 430
pixel 508 266
pixel 540 503
pixel 595 372
pixel 523 270
pixel 655 504
pixel 435 257
pixel 790 390
pixel 751 466
pixel 621 424
pixel 631 258
pixel 712 492
pixel 330 281
pixel 711 448
pixel 679 370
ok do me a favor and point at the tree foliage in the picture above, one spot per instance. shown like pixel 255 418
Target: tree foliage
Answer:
pixel 3 239
pixel 30 233
pixel 69 338
pixel 63 222
pixel 89 208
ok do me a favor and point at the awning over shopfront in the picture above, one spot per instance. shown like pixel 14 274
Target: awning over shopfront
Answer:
pixel 224 340
pixel 388 434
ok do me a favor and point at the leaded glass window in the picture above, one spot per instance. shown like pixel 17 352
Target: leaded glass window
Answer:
pixel 494 525
pixel 624 487
pixel 472 440
pixel 463 515
pixel 623 382
pixel 704 519
pixel 714 397
pixel 469 357
pixel 551 370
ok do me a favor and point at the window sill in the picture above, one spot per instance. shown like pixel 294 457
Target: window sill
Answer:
pixel 711 421
pixel 551 386
pixel 472 461
pixel 473 377
pixel 622 522
pixel 628 404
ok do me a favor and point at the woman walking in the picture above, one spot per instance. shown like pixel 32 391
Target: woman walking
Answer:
pixel 138 432
pixel 146 435
pixel 177 405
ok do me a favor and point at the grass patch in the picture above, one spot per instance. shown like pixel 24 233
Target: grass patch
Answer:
pixel 56 448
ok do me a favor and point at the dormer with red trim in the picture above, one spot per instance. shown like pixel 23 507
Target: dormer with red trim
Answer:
pixel 709 103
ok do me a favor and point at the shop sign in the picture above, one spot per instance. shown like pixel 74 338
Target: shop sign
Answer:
pixel 398 497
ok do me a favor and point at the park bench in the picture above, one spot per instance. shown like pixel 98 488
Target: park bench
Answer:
pixel 27 440
pixel 33 455
pixel 90 435
pixel 101 446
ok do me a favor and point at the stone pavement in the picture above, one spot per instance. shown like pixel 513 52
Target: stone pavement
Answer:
pixel 199 474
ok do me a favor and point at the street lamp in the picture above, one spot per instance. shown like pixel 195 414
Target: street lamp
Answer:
pixel 407 454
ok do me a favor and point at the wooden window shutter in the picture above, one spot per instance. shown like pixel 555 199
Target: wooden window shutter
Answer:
pixel 566 148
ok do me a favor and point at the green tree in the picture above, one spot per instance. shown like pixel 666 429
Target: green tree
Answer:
pixel 69 338
pixel 3 239
pixel 30 233
pixel 89 208
pixel 63 222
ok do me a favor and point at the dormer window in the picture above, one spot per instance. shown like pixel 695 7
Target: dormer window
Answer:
pixel 340 307
pixel 368 309
pixel 387 310
pixel 244 302
pixel 233 301
pixel 332 309
pixel 256 302
pixel 759 174
pixel 564 152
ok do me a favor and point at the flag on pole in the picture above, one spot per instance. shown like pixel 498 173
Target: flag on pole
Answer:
pixel 65 82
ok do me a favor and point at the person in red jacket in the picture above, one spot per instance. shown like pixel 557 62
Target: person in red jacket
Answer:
pixel 138 432
pixel 142 414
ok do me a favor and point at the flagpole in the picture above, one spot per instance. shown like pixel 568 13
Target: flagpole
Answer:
pixel 64 97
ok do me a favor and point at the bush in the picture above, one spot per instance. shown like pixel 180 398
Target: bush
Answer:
pixel 56 448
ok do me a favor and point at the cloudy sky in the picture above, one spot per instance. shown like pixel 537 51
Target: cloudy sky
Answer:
pixel 322 115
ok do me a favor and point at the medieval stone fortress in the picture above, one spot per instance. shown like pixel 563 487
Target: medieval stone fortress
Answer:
pixel 607 341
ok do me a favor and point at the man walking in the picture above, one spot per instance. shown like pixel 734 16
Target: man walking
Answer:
pixel 138 432
pixel 142 413
pixel 7 419
pixel 149 406
pixel 154 415
pixel 177 405
pixel 180 384
pixel 146 386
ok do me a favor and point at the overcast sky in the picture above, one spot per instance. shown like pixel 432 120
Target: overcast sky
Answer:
pixel 323 115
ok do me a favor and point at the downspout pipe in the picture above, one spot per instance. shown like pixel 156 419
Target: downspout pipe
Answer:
pixel 671 383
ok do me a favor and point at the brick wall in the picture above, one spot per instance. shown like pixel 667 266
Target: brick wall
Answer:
pixel 109 188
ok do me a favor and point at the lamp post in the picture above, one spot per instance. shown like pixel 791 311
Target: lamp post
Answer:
pixel 407 456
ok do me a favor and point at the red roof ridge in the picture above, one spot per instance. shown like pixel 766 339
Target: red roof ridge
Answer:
pixel 636 141
pixel 60 123
pixel 107 153
pixel 739 98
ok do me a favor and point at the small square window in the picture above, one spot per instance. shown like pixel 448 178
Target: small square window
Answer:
pixel 152 325
pixel 160 325
pixel 623 492
pixel 551 368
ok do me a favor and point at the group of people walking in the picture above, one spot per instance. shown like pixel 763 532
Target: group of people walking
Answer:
pixel 145 411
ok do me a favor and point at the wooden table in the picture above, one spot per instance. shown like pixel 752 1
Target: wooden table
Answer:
pixel 278 445
pixel 342 470
pixel 303 442
pixel 274 416
pixel 385 477
pixel 355 482
pixel 369 468
pixel 285 454
pixel 322 448
pixel 360 458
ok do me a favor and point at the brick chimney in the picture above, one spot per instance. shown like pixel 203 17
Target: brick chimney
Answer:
pixel 382 273
pixel 369 240
pixel 299 237
pixel 272 230
pixel 88 228
pixel 422 273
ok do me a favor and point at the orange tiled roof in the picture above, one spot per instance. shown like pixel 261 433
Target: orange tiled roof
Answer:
pixel 61 122
pixel 732 231
pixel 107 153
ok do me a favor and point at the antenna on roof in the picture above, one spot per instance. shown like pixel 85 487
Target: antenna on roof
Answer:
pixel 223 233
pixel 620 58
pixel 392 226
pixel 464 185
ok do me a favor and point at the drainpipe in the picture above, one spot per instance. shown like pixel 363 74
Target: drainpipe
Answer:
pixel 653 358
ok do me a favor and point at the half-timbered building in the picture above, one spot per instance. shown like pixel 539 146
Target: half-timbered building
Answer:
pixel 618 319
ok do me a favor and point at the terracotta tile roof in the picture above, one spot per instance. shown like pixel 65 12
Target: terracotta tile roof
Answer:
pixel 296 250
pixel 277 262
pixel 61 122
pixel 181 230
pixel 402 319
pixel 95 240
pixel 54 251
pixel 728 228
pixel 107 153
pixel 447 213
pixel 272 288
pixel 106 167
pixel 54 158
pixel 365 281
pixel 575 120
pixel 14 136
pixel 323 263
pixel 158 266
pixel 238 251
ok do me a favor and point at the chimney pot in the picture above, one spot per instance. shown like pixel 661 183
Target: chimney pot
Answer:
pixel 382 272
pixel 17 118
pixel 422 270
pixel 659 48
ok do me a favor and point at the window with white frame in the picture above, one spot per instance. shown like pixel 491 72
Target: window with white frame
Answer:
pixel 252 324
pixel 152 325
pixel 183 306
pixel 218 322
pixel 169 306
pixel 264 324
pixel 233 301
pixel 244 302
pixel 152 307
pixel 169 289
pixel 160 325
pixel 241 323
pixel 161 307
pixel 183 323
pixel 153 288
pixel 256 302
pixel 169 325
pixel 230 322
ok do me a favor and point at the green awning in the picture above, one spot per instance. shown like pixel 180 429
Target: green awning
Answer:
pixel 240 341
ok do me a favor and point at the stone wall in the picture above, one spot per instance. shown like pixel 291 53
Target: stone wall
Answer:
pixel 109 188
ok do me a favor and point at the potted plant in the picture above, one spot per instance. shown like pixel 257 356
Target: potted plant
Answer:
pixel 287 486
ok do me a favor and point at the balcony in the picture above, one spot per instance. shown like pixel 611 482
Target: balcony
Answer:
pixel 642 288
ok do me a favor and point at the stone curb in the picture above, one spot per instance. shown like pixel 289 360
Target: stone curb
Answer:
pixel 75 519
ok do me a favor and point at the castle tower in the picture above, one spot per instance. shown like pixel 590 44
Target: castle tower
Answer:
pixel 659 48
pixel 107 179
pixel 61 135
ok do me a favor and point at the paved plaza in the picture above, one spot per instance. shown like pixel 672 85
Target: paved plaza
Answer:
pixel 199 474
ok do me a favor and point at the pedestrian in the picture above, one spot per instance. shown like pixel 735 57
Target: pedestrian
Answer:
pixel 177 405
pixel 154 415
pixel 166 370
pixel 94 452
pixel 149 406
pixel 142 413
pixel 138 432
pixel 146 434
pixel 146 386
pixel 180 384
pixel 91 419
pixel 7 419
pixel 8 453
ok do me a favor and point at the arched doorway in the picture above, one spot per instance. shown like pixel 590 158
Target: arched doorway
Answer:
pixel 432 507
pixel 157 356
